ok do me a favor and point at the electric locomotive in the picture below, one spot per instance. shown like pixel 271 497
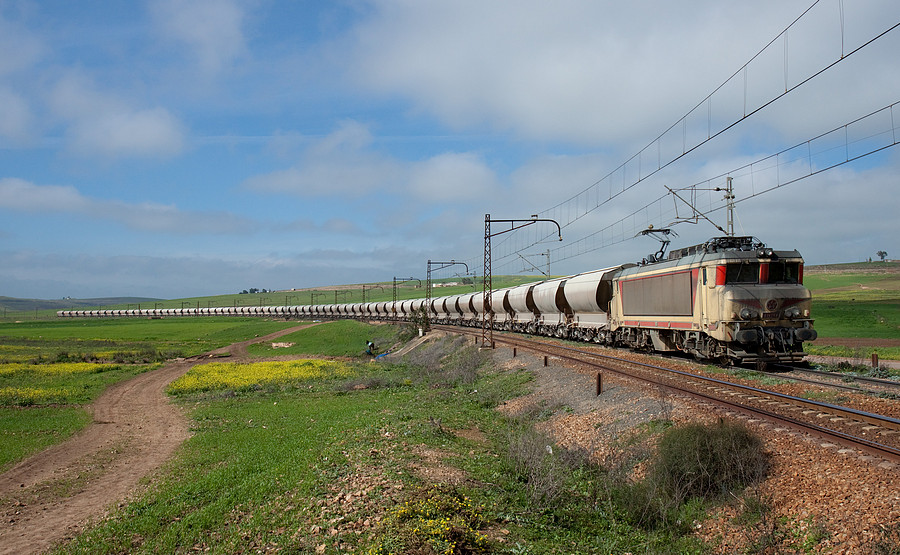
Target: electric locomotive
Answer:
pixel 731 298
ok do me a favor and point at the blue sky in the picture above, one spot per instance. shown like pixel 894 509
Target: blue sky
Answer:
pixel 179 148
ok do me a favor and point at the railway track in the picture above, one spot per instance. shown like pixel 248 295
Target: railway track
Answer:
pixel 874 434
pixel 881 385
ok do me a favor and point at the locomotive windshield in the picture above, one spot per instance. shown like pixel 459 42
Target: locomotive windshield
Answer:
pixel 784 272
pixel 744 272
pixel 773 272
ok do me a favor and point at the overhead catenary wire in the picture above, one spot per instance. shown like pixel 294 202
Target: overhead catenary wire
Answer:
pixel 634 164
pixel 615 183
pixel 750 174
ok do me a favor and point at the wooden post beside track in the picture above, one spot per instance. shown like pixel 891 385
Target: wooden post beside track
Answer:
pixel 599 383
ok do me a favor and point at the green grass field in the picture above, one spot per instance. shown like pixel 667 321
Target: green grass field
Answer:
pixel 104 338
pixel 46 385
pixel 342 338
pixel 856 301
pixel 334 462
pixel 329 465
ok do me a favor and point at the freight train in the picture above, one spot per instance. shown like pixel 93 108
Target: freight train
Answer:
pixel 730 299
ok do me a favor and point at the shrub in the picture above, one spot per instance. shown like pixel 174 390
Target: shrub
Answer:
pixel 699 460
pixel 463 364
pixel 694 462
pixel 544 467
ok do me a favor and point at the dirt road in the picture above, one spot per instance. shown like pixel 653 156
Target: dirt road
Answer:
pixel 50 496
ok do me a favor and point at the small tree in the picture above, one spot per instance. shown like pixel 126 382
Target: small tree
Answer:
pixel 882 255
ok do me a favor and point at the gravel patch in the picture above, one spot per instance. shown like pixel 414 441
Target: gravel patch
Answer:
pixel 841 497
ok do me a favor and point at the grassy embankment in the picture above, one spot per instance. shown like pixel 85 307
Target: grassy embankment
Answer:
pixel 51 371
pixel 855 301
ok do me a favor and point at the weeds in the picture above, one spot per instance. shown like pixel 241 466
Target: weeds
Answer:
pixel 698 460
pixel 889 541
pixel 534 461
pixel 436 519
pixel 830 397
pixel 448 362
pixel 765 532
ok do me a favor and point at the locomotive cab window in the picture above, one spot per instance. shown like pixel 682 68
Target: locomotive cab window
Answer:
pixel 784 272
pixel 743 272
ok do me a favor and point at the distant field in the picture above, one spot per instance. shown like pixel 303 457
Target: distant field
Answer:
pixel 23 310
pixel 856 301
pixel 105 338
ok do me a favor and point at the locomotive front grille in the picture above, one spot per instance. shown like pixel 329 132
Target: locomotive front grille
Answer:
pixel 770 315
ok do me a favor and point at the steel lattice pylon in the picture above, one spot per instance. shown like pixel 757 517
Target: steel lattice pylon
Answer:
pixel 487 287
pixel 487 315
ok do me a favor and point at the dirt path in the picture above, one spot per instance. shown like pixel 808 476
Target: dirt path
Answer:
pixel 51 495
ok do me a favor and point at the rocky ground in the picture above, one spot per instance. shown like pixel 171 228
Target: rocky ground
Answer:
pixel 824 498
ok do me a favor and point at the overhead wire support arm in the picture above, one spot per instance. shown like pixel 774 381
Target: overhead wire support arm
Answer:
pixel 402 280
pixel 441 266
pixel 487 316
pixel 697 213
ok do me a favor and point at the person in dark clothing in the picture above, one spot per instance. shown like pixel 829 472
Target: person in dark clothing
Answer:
pixel 370 348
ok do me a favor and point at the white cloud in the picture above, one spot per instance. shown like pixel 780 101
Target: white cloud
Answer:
pixel 601 73
pixel 153 132
pixel 339 164
pixel 102 125
pixel 346 162
pixel 340 226
pixel 579 71
pixel 452 177
pixel 20 195
pixel 16 119
pixel 212 29
pixel 21 48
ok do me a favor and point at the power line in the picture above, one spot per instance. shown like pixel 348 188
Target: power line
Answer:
pixel 698 124
pixel 641 165
pixel 824 152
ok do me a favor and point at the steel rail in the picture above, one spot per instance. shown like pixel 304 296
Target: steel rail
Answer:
pixel 864 444
pixel 869 417
pixel 867 379
pixel 852 388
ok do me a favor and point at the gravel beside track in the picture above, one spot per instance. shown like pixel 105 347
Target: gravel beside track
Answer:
pixel 812 484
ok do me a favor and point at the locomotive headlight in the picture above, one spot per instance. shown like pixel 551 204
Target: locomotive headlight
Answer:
pixel 747 314
pixel 793 312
